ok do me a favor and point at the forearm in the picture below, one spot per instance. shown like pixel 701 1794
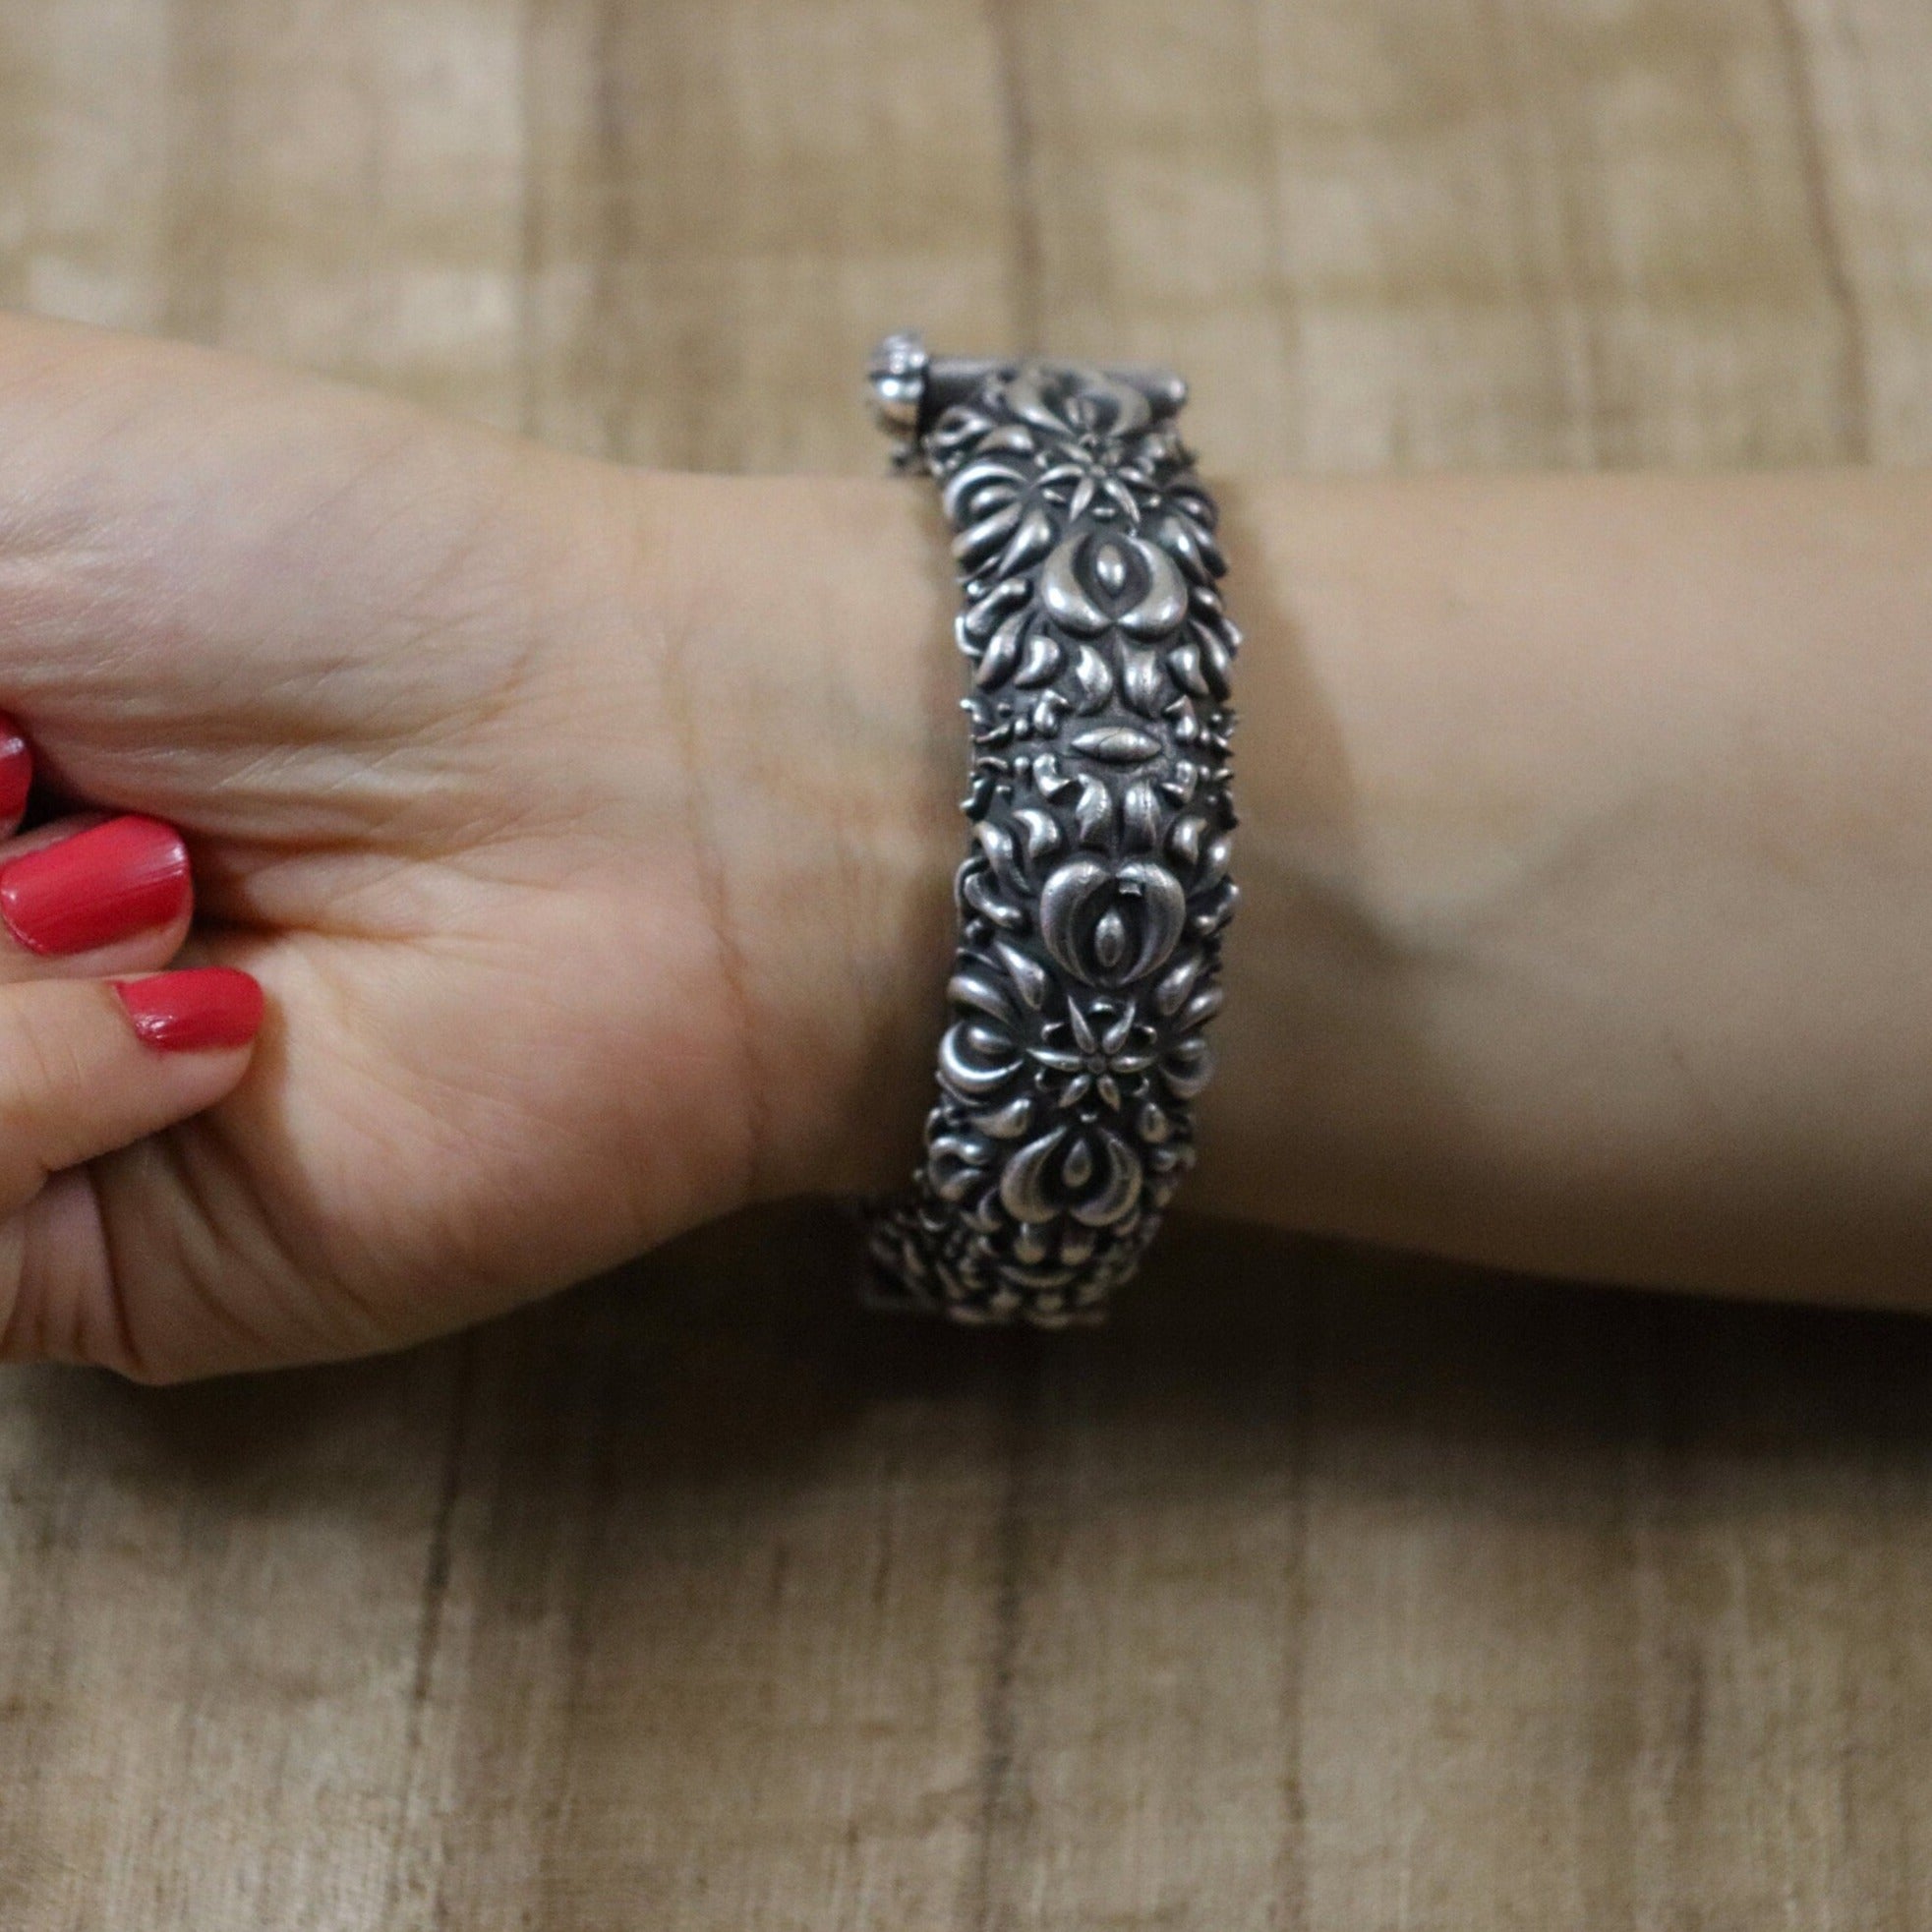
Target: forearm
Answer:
pixel 1586 852
pixel 1588 849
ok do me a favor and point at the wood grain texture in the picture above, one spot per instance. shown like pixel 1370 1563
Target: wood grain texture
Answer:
pixel 1331 1589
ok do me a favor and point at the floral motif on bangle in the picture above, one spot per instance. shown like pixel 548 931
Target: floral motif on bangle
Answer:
pixel 1101 580
pixel 1111 924
pixel 1097 1049
pixel 1101 1049
pixel 1077 444
pixel 1061 1187
pixel 1080 1168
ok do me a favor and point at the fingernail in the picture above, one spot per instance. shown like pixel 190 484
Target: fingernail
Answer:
pixel 16 771
pixel 194 1010
pixel 127 876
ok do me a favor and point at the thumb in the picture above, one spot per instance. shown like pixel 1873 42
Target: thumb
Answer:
pixel 88 1066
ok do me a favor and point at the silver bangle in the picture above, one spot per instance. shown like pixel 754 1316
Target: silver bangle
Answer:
pixel 1096 890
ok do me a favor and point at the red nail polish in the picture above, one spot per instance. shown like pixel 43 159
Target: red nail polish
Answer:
pixel 195 1010
pixel 127 876
pixel 16 772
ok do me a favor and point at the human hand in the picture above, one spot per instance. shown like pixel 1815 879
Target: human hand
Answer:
pixel 587 828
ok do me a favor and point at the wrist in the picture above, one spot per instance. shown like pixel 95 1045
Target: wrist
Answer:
pixel 805 670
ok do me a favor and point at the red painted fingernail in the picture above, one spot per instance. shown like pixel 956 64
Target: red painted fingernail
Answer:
pixel 127 876
pixel 192 1010
pixel 16 771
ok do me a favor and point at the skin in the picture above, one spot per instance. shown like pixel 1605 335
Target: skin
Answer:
pixel 592 831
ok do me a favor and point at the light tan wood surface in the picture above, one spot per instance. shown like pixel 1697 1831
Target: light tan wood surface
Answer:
pixel 1330 1589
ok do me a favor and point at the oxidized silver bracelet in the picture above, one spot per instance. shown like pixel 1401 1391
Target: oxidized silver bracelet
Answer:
pixel 1095 889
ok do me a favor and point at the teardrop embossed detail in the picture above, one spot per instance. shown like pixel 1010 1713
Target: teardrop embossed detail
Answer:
pixel 1093 1176
pixel 1111 925
pixel 1117 745
pixel 1094 582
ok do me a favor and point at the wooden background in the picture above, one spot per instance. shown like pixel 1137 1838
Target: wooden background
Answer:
pixel 1331 1589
